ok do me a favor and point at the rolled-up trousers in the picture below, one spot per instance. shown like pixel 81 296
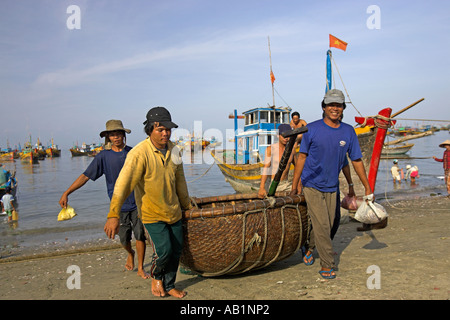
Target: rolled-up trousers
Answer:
pixel 167 243
pixel 322 210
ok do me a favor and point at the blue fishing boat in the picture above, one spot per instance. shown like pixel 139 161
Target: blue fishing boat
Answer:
pixel 242 169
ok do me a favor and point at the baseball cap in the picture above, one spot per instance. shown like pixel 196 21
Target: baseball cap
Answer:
pixel 334 96
pixel 161 115
pixel 283 128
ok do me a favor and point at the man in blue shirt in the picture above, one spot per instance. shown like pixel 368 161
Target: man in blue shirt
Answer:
pixel 109 162
pixel 322 156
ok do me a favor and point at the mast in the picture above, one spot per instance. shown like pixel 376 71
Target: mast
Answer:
pixel 272 78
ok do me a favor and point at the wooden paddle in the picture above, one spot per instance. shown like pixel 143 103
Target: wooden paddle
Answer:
pixel 285 157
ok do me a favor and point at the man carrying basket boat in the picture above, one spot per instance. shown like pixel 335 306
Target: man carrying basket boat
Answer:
pixel 153 169
pixel 322 156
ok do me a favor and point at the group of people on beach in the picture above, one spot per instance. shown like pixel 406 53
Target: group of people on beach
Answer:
pixel 148 189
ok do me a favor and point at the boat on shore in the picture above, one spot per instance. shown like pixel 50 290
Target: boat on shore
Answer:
pixel 396 149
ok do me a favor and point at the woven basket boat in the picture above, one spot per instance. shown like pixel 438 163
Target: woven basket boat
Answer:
pixel 237 233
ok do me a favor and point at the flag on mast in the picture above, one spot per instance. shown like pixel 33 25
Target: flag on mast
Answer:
pixel 272 77
pixel 337 43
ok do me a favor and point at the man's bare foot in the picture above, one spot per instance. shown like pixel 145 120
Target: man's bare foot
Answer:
pixel 143 274
pixel 158 288
pixel 177 293
pixel 130 261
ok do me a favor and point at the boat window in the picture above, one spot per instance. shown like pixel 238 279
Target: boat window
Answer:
pixel 250 118
pixel 277 117
pixel 286 117
pixel 264 116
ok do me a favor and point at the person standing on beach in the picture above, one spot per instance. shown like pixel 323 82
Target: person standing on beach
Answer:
pixel 446 163
pixel 109 162
pixel 322 156
pixel 155 171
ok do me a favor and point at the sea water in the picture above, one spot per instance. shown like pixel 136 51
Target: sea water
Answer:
pixel 41 186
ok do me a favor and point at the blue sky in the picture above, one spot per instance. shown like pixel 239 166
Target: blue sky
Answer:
pixel 204 58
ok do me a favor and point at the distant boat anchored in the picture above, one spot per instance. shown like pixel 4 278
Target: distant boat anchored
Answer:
pixel 398 149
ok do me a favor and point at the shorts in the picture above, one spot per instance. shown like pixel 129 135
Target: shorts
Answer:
pixel 130 223
pixel 414 174
pixel 9 213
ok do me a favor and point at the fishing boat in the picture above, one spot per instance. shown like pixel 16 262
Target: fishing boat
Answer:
pixel 85 150
pixel 53 150
pixel 7 180
pixel 242 169
pixel 397 149
pixel 39 150
pixel 28 155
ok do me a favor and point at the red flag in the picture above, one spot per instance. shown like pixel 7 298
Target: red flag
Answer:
pixel 272 77
pixel 337 43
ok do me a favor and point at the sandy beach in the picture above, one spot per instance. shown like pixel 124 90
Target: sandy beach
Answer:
pixel 409 259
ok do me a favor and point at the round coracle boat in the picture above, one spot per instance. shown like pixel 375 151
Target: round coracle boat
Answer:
pixel 237 233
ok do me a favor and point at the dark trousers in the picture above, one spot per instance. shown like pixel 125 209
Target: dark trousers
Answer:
pixel 167 242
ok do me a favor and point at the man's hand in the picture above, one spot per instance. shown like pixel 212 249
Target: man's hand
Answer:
pixel 63 201
pixel 111 227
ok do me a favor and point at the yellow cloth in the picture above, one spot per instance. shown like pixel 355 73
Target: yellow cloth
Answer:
pixel 159 184
pixel 66 213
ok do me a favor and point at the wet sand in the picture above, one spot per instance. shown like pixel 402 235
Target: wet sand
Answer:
pixel 410 256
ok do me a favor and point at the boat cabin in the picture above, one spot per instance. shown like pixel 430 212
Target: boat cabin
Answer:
pixel 260 131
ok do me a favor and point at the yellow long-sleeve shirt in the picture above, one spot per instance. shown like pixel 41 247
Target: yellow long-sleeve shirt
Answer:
pixel 158 181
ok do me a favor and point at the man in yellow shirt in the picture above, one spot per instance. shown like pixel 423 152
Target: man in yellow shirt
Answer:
pixel 153 169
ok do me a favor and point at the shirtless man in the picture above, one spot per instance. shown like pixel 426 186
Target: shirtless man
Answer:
pixel 296 122
pixel 272 159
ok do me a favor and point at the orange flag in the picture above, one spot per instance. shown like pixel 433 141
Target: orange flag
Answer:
pixel 337 43
pixel 272 77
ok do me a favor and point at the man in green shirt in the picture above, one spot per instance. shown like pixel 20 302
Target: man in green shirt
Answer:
pixel 153 169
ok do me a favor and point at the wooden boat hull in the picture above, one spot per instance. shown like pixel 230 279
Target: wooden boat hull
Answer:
pixel 237 233
pixel 244 178
pixel 53 152
pixel 397 149
pixel 77 153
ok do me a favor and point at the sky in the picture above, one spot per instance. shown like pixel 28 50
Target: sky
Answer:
pixel 64 73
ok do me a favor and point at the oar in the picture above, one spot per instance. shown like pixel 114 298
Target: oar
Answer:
pixel 285 157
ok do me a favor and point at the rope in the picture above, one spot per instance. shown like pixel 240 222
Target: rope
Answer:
pixel 202 174
pixel 378 119
pixel 348 96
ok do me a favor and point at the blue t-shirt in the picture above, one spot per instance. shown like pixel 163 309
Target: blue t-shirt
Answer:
pixel 327 148
pixel 109 163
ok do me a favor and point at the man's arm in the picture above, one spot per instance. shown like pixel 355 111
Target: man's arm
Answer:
pixel 358 165
pixel 130 175
pixel 298 169
pixel 77 184
pixel 182 189
pixel 265 174
pixel 348 177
